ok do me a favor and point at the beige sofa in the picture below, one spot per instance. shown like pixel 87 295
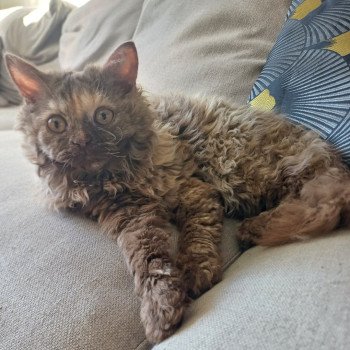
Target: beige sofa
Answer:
pixel 64 285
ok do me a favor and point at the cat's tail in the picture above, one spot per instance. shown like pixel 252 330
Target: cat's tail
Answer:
pixel 323 205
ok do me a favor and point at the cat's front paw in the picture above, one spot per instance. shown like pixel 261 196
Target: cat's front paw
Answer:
pixel 162 306
pixel 200 276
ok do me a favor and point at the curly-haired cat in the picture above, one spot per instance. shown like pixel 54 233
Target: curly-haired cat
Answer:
pixel 135 162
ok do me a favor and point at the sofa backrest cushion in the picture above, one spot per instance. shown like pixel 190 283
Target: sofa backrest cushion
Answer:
pixel 205 46
pixel 92 32
pixel 198 46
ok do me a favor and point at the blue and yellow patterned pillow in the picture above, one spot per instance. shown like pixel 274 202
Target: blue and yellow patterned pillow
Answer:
pixel 307 74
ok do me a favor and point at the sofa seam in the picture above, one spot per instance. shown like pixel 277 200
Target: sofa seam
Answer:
pixel 142 342
pixel 231 261
pixel 144 3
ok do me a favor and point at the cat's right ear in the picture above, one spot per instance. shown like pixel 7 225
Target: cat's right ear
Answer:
pixel 28 79
pixel 123 65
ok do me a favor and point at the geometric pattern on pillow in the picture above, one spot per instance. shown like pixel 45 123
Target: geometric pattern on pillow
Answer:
pixel 307 73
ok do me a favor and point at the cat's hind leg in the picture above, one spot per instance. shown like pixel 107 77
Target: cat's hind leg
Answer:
pixel 322 205
pixel 200 220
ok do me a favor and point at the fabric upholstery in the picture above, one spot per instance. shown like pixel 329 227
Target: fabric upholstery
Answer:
pixel 307 74
pixel 192 47
pixel 290 297
pixel 93 31
pixel 205 46
pixel 7 117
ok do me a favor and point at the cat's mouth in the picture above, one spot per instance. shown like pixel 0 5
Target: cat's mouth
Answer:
pixel 81 161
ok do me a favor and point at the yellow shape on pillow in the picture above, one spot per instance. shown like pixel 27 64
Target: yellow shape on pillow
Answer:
pixel 305 8
pixel 341 44
pixel 264 101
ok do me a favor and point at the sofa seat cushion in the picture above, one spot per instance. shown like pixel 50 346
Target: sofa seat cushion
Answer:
pixel 290 297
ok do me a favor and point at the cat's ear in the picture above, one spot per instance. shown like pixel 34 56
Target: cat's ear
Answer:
pixel 29 80
pixel 123 64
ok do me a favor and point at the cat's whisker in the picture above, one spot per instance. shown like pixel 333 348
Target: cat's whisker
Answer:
pixel 65 166
pixel 104 145
pixel 121 134
pixel 108 132
pixel 115 155
pixel 113 135
pixel 131 163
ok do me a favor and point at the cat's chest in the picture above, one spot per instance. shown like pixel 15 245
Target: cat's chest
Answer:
pixel 160 185
pixel 158 178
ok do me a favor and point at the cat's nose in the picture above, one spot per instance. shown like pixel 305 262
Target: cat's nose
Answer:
pixel 81 140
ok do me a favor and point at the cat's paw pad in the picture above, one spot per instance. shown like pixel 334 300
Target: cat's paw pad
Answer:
pixel 162 307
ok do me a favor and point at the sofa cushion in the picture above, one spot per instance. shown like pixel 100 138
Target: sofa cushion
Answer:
pixel 205 46
pixel 92 32
pixel 290 297
pixel 307 75
pixel 7 117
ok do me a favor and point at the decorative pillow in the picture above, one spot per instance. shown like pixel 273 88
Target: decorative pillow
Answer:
pixel 307 74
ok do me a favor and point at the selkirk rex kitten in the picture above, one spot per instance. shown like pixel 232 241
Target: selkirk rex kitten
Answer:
pixel 136 162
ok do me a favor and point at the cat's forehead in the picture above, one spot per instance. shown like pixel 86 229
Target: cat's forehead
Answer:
pixel 77 95
pixel 77 103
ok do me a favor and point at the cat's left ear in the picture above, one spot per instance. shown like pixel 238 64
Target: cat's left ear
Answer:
pixel 28 79
pixel 123 64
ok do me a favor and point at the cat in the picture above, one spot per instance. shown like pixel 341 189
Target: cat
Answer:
pixel 135 161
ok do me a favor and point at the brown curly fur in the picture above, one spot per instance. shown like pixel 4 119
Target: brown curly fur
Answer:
pixel 175 158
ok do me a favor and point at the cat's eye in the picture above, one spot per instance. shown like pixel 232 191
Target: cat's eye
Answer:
pixel 57 124
pixel 103 116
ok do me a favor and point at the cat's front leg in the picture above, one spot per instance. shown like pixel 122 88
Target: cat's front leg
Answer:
pixel 200 219
pixel 143 234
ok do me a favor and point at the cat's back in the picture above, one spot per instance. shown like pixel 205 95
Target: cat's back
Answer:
pixel 198 119
pixel 248 155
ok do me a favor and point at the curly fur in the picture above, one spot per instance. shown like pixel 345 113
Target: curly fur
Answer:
pixel 177 158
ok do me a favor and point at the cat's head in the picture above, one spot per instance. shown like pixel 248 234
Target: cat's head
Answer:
pixel 90 120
